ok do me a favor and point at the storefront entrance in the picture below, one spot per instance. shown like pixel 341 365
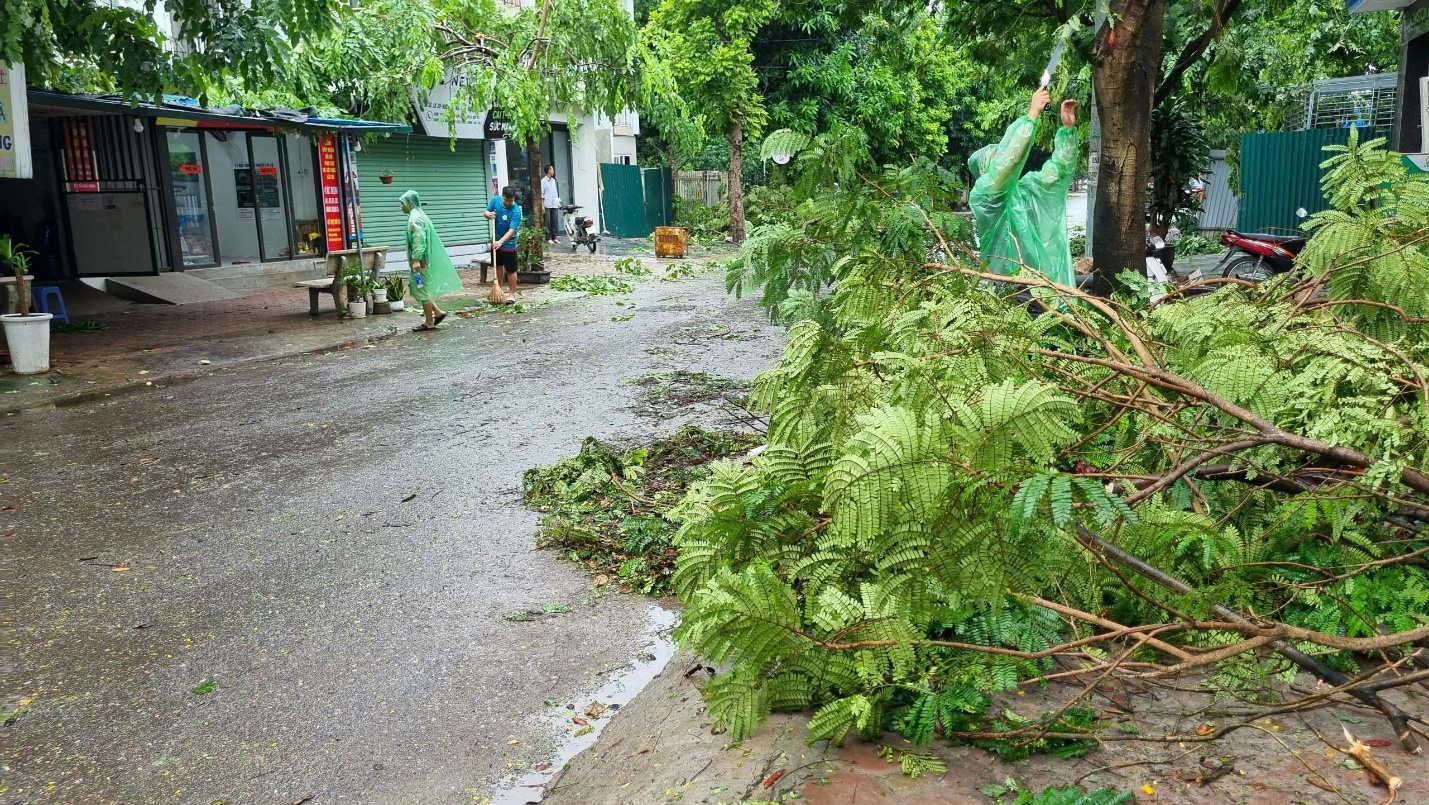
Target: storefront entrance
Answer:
pixel 244 197
pixel 555 150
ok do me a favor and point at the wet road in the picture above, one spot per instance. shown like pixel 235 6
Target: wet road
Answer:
pixel 332 588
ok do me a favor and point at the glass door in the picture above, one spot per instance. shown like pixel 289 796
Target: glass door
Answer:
pixel 191 208
pixel 269 173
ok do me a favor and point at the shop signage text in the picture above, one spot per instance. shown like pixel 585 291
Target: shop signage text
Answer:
pixel 14 124
pixel 332 199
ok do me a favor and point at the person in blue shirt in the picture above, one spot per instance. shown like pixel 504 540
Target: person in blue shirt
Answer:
pixel 504 210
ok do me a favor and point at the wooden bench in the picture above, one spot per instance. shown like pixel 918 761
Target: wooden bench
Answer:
pixel 374 259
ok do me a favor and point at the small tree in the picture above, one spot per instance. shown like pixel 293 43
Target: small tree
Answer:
pixel 15 258
pixel 1180 151
pixel 707 44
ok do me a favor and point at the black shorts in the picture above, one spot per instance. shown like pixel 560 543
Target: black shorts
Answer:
pixel 506 261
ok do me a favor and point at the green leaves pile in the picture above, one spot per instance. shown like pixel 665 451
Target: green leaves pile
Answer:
pixel 953 486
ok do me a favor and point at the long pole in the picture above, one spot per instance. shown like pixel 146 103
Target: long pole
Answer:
pixel 1094 159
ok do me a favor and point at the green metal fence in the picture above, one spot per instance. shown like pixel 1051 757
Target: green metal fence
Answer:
pixel 1280 174
pixel 623 201
pixel 635 200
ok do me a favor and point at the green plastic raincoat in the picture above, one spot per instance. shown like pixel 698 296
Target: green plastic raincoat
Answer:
pixel 438 274
pixel 1023 222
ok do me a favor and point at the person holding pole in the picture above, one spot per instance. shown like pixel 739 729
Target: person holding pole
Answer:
pixel 1022 220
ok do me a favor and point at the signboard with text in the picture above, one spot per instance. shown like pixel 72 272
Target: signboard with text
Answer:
pixel 14 124
pixel 332 198
pixel 434 112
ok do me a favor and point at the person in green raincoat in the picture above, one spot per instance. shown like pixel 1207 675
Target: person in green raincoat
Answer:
pixel 433 274
pixel 1022 220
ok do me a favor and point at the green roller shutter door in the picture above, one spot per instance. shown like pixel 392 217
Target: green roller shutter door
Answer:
pixel 453 186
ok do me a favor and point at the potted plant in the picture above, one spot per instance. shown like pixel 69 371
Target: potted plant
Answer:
pixel 386 176
pixel 396 292
pixel 531 253
pixel 28 334
pixel 356 284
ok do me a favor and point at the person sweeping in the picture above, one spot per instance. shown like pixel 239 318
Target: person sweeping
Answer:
pixel 433 274
pixel 1022 220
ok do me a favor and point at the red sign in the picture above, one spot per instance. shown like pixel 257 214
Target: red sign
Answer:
pixel 267 170
pixel 84 187
pixel 332 199
pixel 190 169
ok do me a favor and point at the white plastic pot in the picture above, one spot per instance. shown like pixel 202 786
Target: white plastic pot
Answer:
pixel 357 310
pixel 28 338
pixel 398 305
pixel 379 295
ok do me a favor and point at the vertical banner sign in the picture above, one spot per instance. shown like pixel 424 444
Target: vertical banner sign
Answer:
pixel 14 124
pixel 353 207
pixel 79 158
pixel 332 196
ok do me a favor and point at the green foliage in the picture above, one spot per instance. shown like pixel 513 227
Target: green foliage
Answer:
pixel 837 218
pixel 632 267
pixel 88 45
pixel 602 506
pixel 1073 795
pixel 935 450
pixel 706 224
pixel 530 245
pixel 1192 245
pixel 593 284
pixel 1180 152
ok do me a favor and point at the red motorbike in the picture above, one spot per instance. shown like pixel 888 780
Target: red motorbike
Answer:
pixel 1258 257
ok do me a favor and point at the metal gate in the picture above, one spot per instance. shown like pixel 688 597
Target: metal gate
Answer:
pixel 659 197
pixel 623 201
pixel 113 201
pixel 1280 173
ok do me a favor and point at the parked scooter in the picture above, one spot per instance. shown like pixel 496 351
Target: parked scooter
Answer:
pixel 1259 257
pixel 580 228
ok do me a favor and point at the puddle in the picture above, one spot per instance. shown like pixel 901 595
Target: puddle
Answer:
pixel 618 691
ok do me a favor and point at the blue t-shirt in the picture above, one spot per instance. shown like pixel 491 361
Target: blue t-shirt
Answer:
pixel 506 219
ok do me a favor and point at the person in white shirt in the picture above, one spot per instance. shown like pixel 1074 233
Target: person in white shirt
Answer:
pixel 551 200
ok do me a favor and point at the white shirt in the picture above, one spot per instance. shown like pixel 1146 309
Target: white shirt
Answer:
pixel 550 195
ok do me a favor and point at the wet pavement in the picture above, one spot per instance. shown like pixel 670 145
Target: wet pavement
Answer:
pixel 312 579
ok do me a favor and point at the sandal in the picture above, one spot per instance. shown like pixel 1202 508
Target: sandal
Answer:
pixel 438 320
pixel 423 328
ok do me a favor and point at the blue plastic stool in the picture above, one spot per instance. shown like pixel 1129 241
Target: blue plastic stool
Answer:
pixel 42 295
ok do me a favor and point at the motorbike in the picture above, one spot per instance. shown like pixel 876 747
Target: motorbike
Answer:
pixel 1258 257
pixel 580 228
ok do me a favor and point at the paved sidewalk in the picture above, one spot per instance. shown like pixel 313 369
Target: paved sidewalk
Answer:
pixel 154 345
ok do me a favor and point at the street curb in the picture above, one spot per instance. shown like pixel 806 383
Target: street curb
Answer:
pixel 188 375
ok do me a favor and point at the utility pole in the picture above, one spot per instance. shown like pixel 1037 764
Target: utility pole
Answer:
pixel 1094 158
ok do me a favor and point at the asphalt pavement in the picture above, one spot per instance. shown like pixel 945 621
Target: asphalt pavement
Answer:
pixel 312 579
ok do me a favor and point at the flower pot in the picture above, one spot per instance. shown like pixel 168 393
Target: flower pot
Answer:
pixel 357 310
pixel 386 179
pixel 536 276
pixel 29 341
pixel 379 295
pixel 398 305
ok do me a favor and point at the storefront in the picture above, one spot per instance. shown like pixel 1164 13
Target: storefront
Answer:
pixel 451 177
pixel 126 190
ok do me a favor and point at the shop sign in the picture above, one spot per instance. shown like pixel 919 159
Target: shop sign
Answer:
pixel 433 113
pixel 190 169
pixel 332 198
pixel 267 170
pixel 15 160
pixel 495 127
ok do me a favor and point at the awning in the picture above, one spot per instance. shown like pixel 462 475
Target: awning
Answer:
pixel 187 109
pixel 1365 6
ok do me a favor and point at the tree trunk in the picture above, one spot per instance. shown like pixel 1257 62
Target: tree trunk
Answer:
pixel 736 179
pixel 1126 61
pixel 533 156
